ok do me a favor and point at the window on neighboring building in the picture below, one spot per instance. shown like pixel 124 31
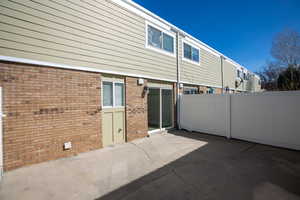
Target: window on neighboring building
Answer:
pixel 160 40
pixel 113 94
pixel 191 53
pixel 239 73
pixel 210 91
pixel 190 91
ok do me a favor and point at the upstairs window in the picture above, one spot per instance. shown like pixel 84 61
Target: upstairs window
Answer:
pixel 239 73
pixel 191 53
pixel 160 40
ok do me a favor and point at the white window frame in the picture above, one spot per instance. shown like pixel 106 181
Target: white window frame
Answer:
pixel 113 92
pixel 194 46
pixel 239 73
pixel 148 46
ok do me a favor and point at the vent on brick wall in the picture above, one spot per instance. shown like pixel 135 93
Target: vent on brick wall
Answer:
pixel 67 146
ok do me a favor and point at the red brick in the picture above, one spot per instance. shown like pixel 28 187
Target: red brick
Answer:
pixel 46 107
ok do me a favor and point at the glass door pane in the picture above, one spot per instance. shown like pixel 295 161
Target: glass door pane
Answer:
pixel 167 108
pixel 154 109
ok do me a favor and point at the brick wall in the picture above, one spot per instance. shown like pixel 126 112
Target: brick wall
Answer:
pixel 136 110
pixel 218 90
pixel 46 107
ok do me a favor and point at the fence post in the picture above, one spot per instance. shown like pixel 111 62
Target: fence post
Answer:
pixel 228 116
pixel 179 112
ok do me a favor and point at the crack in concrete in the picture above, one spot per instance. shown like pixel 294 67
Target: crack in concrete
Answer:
pixel 184 181
pixel 145 152
pixel 248 148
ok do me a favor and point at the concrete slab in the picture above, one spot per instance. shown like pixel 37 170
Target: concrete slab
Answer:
pixel 178 165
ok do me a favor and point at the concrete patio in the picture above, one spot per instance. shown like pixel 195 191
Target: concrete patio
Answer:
pixel 176 165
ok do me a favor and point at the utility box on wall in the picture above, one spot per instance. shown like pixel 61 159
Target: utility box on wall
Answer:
pixel 67 146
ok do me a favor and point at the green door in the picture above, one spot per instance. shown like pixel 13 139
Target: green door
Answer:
pixel 113 126
pixel 113 113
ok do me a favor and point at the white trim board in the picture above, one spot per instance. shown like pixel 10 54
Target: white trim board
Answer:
pixel 88 69
pixel 80 68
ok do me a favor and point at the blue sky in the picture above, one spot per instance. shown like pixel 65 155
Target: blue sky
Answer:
pixel 242 30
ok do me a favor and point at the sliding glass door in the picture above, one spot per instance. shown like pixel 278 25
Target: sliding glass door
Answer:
pixel 154 109
pixel 160 109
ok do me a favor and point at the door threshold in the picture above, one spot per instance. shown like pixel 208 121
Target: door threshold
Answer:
pixel 159 130
pixel 154 131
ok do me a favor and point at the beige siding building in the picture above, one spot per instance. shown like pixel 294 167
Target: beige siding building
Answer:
pixel 83 74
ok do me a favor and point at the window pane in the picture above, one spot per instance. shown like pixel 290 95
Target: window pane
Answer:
pixel 187 51
pixel 119 94
pixel 154 37
pixel 195 55
pixel 107 94
pixel 168 43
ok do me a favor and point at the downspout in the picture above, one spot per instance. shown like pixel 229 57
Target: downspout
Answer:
pixel 178 78
pixel 222 73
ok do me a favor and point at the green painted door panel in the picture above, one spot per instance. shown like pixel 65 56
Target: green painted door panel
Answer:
pixel 119 136
pixel 113 126
pixel 107 128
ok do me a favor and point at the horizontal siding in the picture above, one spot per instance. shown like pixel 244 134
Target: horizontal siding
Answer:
pixel 229 74
pixel 96 34
pixel 207 73
pixel 257 86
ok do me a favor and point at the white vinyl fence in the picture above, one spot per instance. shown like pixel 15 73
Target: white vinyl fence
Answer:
pixel 271 118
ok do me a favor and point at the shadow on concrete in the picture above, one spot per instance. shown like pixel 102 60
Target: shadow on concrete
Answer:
pixel 222 169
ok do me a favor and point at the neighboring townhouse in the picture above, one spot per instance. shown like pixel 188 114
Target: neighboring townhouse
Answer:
pixel 79 75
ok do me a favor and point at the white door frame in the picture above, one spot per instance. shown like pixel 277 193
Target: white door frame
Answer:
pixel 160 111
pixel 1 134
